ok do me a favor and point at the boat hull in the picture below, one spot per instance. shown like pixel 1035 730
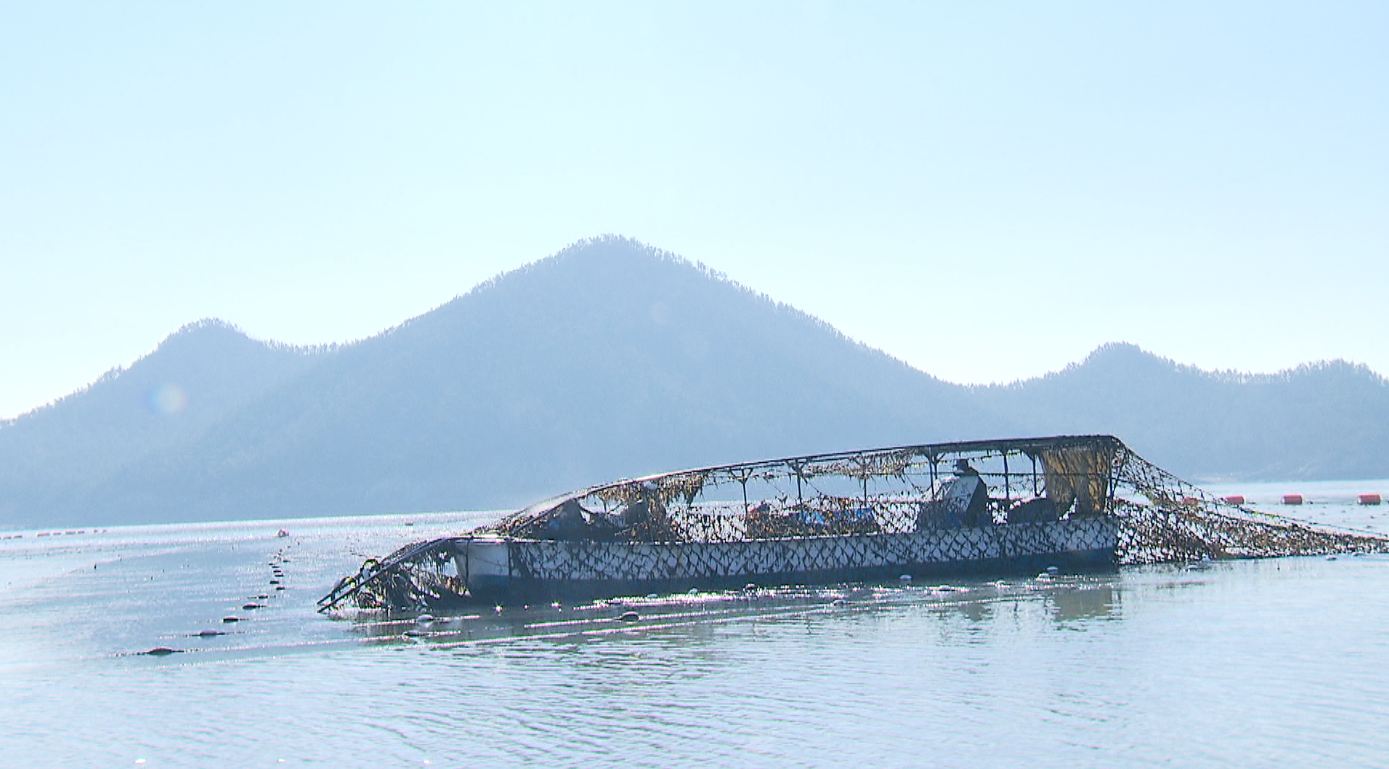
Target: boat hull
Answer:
pixel 502 570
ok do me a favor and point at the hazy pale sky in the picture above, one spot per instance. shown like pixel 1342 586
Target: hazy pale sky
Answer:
pixel 987 190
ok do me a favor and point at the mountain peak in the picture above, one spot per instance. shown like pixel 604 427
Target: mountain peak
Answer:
pixel 608 358
pixel 205 330
pixel 608 256
pixel 1117 351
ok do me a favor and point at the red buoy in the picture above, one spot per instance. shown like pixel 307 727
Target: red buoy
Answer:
pixel 1370 499
pixel 1233 499
pixel 1292 499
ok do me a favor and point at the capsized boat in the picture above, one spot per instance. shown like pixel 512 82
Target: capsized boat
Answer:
pixel 1018 505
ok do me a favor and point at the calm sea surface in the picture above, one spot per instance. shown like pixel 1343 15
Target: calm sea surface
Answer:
pixel 1262 663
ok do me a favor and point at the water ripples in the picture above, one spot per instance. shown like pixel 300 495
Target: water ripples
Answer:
pixel 1242 663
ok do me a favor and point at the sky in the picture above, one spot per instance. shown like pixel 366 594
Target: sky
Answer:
pixel 986 190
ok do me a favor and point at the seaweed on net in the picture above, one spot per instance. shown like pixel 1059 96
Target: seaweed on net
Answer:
pixel 893 492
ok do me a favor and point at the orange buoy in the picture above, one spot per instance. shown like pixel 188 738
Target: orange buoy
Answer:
pixel 1370 499
pixel 1233 499
pixel 1292 499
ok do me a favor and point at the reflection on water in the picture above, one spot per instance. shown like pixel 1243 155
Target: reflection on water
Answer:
pixel 1082 603
pixel 1064 599
pixel 1251 663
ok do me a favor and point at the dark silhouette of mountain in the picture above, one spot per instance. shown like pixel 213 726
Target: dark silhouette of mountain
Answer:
pixel 609 359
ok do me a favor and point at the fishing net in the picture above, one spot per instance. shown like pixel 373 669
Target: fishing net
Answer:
pixel 861 510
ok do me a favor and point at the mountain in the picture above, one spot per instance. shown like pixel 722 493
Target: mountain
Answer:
pixel 1322 420
pixel 608 359
pixel 67 453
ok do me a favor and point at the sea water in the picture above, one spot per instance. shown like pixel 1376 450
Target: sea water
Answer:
pixel 1280 662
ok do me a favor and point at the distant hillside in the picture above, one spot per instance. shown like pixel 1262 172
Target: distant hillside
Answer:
pixel 56 462
pixel 608 359
pixel 1323 420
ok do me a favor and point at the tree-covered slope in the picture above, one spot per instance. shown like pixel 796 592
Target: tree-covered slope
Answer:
pixel 608 359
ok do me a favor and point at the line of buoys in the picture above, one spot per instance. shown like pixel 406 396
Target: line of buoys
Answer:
pixel 1371 498
pixel 250 605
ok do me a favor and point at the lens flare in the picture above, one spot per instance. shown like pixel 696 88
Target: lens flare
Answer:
pixel 168 399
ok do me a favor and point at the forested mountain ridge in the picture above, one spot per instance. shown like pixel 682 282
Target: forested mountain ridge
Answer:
pixel 608 359
pixel 169 399
pixel 1319 420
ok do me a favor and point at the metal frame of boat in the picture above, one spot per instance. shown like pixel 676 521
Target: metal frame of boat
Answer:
pixel 977 507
